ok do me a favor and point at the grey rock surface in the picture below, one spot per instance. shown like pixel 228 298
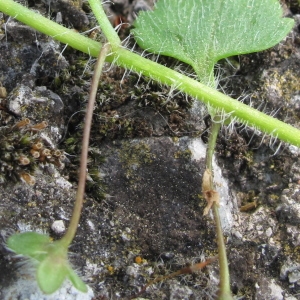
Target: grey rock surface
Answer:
pixel 143 217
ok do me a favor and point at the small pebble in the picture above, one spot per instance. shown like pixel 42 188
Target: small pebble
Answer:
pixel 58 226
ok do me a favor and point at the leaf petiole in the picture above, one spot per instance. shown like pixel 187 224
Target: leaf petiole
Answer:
pixel 135 62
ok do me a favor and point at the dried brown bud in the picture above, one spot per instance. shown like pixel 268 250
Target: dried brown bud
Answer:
pixel 249 206
pixel 29 179
pixel 211 196
pixel 45 154
pixel 23 160
pixel 34 153
pixel 22 123
pixel 39 126
pixel 37 146
pixel 56 153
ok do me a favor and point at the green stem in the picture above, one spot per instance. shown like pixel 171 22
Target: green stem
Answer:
pixel 129 60
pixel 106 27
pixel 68 237
pixel 242 112
pixel 224 288
pixel 224 292
pixel 50 28
pixel 211 146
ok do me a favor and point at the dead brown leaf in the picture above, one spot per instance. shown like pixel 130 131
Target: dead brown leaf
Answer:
pixel 210 195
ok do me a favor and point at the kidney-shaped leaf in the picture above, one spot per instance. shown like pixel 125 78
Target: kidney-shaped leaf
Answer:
pixel 201 32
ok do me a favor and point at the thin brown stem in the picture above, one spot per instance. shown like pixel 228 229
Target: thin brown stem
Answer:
pixel 187 270
pixel 68 237
pixel 224 292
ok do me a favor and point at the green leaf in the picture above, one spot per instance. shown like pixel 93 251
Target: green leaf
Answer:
pixel 76 281
pixel 30 244
pixel 53 267
pixel 51 273
pixel 201 32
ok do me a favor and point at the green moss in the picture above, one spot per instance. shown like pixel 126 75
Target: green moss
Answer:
pixel 22 149
pixel 249 157
pixel 132 156
pixel 287 84
pixel 95 185
pixel 186 154
pixel 292 251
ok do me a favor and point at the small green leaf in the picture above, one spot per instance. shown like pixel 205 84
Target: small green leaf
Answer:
pixel 76 281
pixel 201 32
pixel 51 273
pixel 53 267
pixel 31 244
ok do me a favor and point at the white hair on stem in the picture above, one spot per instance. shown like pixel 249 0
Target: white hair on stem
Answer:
pixel 87 66
pixel 261 140
pixel 90 30
pixel 34 65
pixel 230 64
pixel 149 82
pixel 187 71
pixel 239 125
pixel 273 139
pixel 133 47
pixel 138 37
pixel 122 79
pixel 118 27
pixel 220 113
pixel 113 63
pixel 126 41
pixel 139 78
pixel 5 25
pixel 254 133
pixel 218 74
pixel 148 54
pixel 126 73
pixel 171 93
pixel 243 97
pixel 156 57
pixel 277 150
pixel 130 71
pixel 261 107
pixel 61 52
pixel 231 127
pixel 274 112
pixel 142 54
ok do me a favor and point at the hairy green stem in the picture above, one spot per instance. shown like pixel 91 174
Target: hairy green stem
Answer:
pixel 212 97
pixel 106 27
pixel 132 61
pixel 68 237
pixel 50 28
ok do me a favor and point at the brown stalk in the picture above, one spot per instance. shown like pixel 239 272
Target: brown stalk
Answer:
pixel 68 237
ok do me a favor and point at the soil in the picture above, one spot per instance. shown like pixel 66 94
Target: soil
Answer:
pixel 142 216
